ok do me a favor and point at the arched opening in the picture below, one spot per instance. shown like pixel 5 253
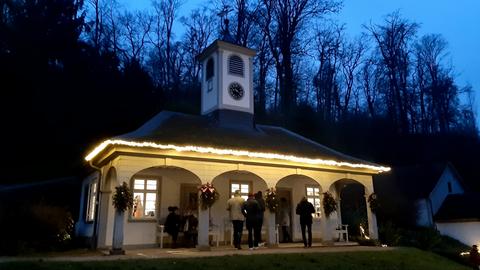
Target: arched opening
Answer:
pixel 353 207
pixel 290 190
pixel 157 188
pixel 226 183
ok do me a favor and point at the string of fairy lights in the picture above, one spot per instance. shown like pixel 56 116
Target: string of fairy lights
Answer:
pixel 231 152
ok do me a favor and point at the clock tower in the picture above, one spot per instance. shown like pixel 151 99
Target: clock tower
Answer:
pixel 227 82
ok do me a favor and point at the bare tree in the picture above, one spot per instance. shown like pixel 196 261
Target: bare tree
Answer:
pixel 135 28
pixel 351 59
pixel 328 44
pixel 161 37
pixel 283 20
pixel 199 26
pixel 393 40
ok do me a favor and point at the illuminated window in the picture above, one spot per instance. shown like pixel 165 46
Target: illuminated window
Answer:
pixel 244 187
pixel 235 65
pixel 313 196
pixel 92 197
pixel 144 198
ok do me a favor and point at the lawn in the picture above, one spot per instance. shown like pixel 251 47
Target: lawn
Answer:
pixel 402 258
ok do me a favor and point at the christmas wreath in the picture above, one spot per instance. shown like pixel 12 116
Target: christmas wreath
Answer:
pixel 329 204
pixel 208 195
pixel 271 200
pixel 123 197
pixel 373 202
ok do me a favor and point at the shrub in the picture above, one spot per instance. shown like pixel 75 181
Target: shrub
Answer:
pixel 389 234
pixel 329 204
pixel 123 198
pixel 29 228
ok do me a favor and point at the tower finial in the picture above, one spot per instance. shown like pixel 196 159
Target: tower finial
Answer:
pixel 225 32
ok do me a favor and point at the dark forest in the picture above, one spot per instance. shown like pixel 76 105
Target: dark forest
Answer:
pixel 75 72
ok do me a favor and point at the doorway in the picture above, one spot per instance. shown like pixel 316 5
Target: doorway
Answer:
pixel 284 214
pixel 189 197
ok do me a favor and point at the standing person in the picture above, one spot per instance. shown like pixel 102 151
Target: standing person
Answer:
pixel 261 203
pixel 251 210
pixel 305 209
pixel 285 220
pixel 234 206
pixel 474 257
pixel 172 224
pixel 191 229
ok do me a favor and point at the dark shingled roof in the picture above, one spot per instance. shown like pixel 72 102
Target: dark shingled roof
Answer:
pixel 459 207
pixel 416 181
pixel 183 129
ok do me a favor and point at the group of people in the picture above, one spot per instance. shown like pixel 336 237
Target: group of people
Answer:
pixel 186 223
pixel 251 211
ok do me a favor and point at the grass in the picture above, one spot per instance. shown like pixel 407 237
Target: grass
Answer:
pixel 399 259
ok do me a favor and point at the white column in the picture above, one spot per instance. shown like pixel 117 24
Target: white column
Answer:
pixel 203 226
pixel 372 221
pixel 272 237
pixel 117 242
pixel 323 221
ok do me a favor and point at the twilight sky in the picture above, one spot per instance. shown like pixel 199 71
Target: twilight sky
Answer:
pixel 458 21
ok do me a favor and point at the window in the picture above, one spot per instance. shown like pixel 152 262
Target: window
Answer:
pixel 92 198
pixel 235 65
pixel 244 187
pixel 144 198
pixel 313 196
pixel 209 74
pixel 449 187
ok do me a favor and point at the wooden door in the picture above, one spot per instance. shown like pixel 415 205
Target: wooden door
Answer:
pixel 189 197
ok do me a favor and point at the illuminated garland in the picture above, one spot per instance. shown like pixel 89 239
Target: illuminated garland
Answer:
pixel 238 153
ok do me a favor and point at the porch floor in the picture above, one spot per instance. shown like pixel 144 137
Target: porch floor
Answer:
pixel 157 253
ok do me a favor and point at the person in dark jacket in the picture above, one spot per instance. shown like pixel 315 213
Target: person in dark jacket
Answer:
pixel 305 210
pixel 474 257
pixel 191 229
pixel 251 210
pixel 261 203
pixel 172 224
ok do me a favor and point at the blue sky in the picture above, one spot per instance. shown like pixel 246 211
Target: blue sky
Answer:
pixel 458 21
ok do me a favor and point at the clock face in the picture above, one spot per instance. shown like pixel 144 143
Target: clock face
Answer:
pixel 236 91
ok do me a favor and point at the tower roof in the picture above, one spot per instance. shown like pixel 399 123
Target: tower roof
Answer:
pixel 221 44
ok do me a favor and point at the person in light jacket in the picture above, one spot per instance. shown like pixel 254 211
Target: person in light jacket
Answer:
pixel 234 206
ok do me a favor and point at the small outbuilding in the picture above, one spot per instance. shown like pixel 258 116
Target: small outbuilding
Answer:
pixel 170 156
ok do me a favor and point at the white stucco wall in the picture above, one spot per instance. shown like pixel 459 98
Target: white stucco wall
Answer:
pixel 440 191
pixel 424 213
pixel 244 81
pixel 220 174
pixel 465 232
pixel 210 99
